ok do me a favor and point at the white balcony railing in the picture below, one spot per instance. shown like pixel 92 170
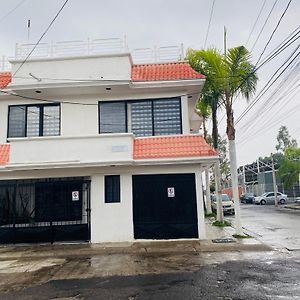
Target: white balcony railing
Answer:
pixel 93 47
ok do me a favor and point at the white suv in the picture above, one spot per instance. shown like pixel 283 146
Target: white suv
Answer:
pixel 269 198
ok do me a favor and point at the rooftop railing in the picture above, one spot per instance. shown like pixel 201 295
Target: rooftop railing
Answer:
pixel 93 47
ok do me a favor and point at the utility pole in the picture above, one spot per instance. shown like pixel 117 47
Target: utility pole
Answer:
pixel 274 182
pixel 220 215
pixel 207 192
pixel 225 41
pixel 244 180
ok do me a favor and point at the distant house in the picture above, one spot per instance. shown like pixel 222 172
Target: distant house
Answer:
pixel 99 149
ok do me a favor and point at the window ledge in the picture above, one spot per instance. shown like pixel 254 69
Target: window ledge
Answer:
pixel 60 137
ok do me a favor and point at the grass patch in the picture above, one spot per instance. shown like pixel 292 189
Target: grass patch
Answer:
pixel 246 236
pixel 221 224
pixel 211 215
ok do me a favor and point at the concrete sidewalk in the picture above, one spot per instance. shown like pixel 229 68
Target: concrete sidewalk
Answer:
pixel 218 240
pixel 24 266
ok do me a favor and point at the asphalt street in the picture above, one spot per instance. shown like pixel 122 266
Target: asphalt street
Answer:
pixel 277 227
pixel 212 275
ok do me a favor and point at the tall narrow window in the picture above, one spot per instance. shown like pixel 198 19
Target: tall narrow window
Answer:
pixel 51 123
pixel 112 117
pixel 167 116
pixel 112 189
pixel 34 120
pixel 141 118
pixel 16 121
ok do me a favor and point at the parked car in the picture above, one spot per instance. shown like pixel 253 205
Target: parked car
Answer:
pixel 269 198
pixel 247 198
pixel 228 206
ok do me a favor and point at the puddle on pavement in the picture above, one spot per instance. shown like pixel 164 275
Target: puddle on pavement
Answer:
pixel 16 266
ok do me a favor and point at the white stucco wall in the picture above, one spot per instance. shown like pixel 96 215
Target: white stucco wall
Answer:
pixel 82 120
pixel 86 149
pixel 98 67
pixel 113 222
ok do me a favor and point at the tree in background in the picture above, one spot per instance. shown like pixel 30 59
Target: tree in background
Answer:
pixel 289 169
pixel 284 139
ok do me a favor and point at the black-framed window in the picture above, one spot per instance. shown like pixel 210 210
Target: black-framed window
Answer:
pixel 112 189
pixel 33 120
pixel 112 117
pixel 144 117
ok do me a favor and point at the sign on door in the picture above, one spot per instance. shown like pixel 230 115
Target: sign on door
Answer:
pixel 75 195
pixel 171 192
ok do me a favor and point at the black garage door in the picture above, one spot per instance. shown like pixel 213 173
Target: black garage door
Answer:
pixel 164 206
pixel 44 210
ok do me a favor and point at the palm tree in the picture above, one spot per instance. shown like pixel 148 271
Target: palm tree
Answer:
pixel 241 79
pixel 209 63
pixel 227 76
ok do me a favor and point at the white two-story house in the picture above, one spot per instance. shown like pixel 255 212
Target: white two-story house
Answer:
pixel 99 149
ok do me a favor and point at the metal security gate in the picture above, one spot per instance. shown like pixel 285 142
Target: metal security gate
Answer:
pixel 44 210
pixel 164 206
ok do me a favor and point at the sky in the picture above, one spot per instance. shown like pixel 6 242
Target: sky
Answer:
pixel 172 22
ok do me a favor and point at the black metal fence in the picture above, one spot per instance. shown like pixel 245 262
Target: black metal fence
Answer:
pixel 44 210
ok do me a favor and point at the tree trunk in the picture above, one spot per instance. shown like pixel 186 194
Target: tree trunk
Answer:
pixel 233 166
pixel 220 213
pixel 230 123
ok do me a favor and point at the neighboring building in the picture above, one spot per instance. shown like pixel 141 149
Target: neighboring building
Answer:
pixel 97 148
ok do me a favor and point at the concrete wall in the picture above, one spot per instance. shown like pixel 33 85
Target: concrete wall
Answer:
pixel 49 70
pixel 82 120
pixel 87 149
pixel 113 222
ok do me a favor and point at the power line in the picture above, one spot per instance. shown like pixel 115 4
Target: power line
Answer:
pixel 266 87
pixel 209 22
pixel 39 40
pixel 246 126
pixel 274 30
pixel 254 25
pixel 264 25
pixel 11 11
pixel 274 53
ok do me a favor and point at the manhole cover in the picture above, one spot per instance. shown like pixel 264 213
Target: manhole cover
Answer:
pixel 223 241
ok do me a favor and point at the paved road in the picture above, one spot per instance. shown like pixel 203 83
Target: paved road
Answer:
pixel 278 227
pixel 225 275
pixel 266 278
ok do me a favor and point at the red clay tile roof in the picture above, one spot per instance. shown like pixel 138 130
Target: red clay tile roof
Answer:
pixel 5 79
pixel 4 154
pixel 173 146
pixel 166 71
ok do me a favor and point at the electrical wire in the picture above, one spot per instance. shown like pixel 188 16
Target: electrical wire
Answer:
pixel 288 41
pixel 12 10
pixel 209 22
pixel 274 30
pixel 39 40
pixel 268 84
pixel 254 25
pixel 264 25
pixel 250 124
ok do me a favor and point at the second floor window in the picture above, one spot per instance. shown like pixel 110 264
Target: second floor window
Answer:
pixel 33 120
pixel 143 117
